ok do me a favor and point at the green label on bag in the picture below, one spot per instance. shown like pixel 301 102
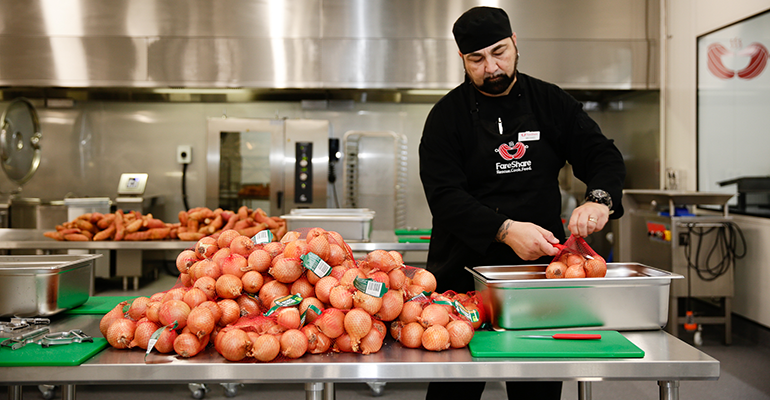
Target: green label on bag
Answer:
pixel 314 263
pixel 370 287
pixel 156 335
pixel 471 315
pixel 264 236
pixel 424 296
pixel 285 301
pixel 304 314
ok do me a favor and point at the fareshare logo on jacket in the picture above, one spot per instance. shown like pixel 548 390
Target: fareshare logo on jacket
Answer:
pixel 512 152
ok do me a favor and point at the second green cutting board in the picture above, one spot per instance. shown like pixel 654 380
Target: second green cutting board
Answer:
pixel 511 344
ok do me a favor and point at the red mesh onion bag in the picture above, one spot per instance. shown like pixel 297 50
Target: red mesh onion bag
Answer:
pixel 575 245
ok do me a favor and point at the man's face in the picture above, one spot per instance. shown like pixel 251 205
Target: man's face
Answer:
pixel 492 68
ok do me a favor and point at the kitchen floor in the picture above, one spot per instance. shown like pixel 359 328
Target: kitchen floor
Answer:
pixel 743 365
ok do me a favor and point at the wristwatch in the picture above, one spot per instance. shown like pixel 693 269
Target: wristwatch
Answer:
pixel 601 197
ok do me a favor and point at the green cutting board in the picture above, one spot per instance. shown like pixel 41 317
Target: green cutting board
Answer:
pixel 511 344
pixel 61 355
pixel 99 305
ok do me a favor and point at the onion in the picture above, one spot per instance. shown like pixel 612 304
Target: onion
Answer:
pixel 331 322
pixel 174 310
pixel 433 314
pixel 288 317
pixel 113 315
pixel 339 271
pixel 350 275
pixel 596 267
pixel 290 236
pixel 208 285
pixel 187 345
pixel 287 270
pixel 413 290
pixel 435 338
pixel 335 238
pixel 194 297
pixel 343 344
pixel 208 268
pixel 317 342
pixel 397 257
pixel 380 276
pixel 302 287
pixel 220 255
pixel 265 348
pixel 324 287
pixel 380 327
pixel 226 237
pixel 214 308
pixel 234 345
pixel 314 233
pixel 157 296
pixel 320 246
pixel 120 333
pixel 310 315
pixel 271 291
pixel 574 259
pixel 426 279
pixel 368 303
pixel 575 271
pixel 341 297
pixel 380 260
pixel 357 324
pixel 555 270
pixel 229 286
pixel 242 245
pixel 185 260
pixel 295 249
pixel 293 343
pixel 153 308
pixel 259 260
pixel 274 248
pixel 411 335
pixel 336 255
pixel 252 281
pixel 174 294
pixel 234 264
pixel 372 342
pixel 185 279
pixel 312 278
pixel 392 304
pixel 471 306
pixel 231 311
pixel 395 329
pixel 165 343
pixel 206 247
pixel 460 333
pixel 201 321
pixel 143 332
pixel 138 308
pixel 410 311
pixel 397 278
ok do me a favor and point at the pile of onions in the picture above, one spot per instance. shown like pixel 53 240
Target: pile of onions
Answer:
pixel 226 279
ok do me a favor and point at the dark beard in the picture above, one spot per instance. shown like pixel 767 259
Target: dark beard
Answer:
pixel 496 84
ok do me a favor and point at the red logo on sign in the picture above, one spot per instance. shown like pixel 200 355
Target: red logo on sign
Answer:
pixel 505 151
pixel 756 51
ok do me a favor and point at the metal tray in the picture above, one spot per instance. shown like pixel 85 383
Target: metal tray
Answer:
pixel 354 224
pixel 631 297
pixel 40 286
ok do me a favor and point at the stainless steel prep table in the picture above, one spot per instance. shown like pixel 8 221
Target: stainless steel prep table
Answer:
pixel 667 360
pixel 130 252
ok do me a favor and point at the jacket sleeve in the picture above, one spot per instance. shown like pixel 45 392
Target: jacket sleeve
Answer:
pixel 442 154
pixel 595 159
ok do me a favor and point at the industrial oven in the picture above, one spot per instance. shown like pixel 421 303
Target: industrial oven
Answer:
pixel 675 231
pixel 273 164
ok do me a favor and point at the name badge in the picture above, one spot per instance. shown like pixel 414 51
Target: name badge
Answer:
pixel 529 136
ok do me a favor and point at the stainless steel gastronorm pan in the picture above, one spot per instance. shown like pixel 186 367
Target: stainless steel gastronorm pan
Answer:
pixel 631 297
pixel 44 285
pixel 354 224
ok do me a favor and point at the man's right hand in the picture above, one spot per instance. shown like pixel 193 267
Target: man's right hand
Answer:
pixel 527 240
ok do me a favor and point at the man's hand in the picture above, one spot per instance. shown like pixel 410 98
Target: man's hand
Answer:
pixel 588 218
pixel 527 240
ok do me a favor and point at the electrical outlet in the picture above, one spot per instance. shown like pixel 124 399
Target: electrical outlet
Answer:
pixel 184 154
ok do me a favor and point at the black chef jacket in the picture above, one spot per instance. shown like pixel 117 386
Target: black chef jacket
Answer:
pixel 484 160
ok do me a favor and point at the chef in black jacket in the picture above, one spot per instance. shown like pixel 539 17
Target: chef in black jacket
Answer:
pixel 490 156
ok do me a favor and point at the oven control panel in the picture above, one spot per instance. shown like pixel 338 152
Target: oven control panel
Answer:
pixel 303 173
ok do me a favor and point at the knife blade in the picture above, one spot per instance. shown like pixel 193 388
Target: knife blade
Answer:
pixel 566 336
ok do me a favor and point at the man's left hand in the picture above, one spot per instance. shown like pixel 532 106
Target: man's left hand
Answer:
pixel 588 218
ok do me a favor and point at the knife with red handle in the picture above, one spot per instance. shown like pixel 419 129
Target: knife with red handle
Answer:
pixel 566 336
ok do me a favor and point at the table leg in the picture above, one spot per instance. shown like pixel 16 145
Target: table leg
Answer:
pixel 584 390
pixel 329 391
pixel 14 392
pixel 728 320
pixel 669 390
pixel 67 392
pixel 314 391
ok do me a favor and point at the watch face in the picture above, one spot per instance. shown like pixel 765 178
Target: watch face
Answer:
pixel 601 197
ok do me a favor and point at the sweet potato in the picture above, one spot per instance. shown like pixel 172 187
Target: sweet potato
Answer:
pixel 231 222
pixel 252 230
pixel 106 234
pixel 243 212
pixel 150 234
pixel 260 216
pixel 106 221
pixel 120 230
pixel 76 237
pixel 186 236
pixel 56 235
pixel 134 226
pixel 183 217
pixel 85 225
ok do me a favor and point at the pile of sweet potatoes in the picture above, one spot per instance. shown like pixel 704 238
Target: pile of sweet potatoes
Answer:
pixel 193 225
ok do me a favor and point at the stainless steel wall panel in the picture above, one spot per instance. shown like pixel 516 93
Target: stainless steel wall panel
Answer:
pixel 73 61
pixel 223 62
pixel 379 63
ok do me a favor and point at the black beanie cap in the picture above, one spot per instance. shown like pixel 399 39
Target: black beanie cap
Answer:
pixel 481 27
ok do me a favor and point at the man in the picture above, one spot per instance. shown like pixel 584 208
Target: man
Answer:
pixel 490 156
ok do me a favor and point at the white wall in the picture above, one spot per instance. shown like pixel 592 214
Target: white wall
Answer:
pixel 682 22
